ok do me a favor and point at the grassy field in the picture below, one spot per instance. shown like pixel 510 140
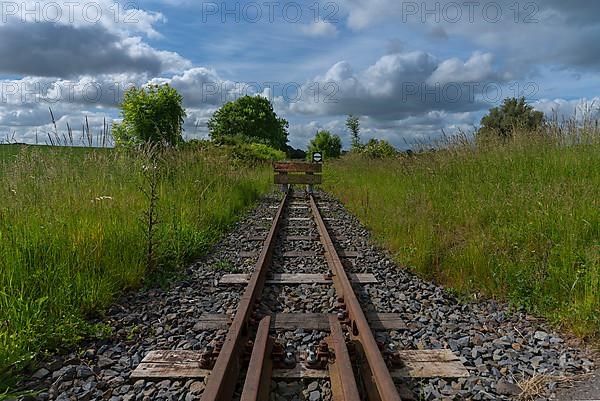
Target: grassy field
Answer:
pixel 519 222
pixel 74 232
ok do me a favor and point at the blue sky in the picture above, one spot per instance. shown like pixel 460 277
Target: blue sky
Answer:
pixel 408 69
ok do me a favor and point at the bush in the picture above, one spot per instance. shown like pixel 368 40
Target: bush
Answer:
pixel 197 144
pixel 326 143
pixel 250 119
pixel 150 115
pixel 514 115
pixel 379 149
pixel 257 152
pixel 236 148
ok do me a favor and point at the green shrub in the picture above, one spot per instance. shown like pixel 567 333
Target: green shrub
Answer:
pixel 326 143
pixel 515 115
pixel 153 114
pixel 238 149
pixel 378 148
pixel 257 152
pixel 198 144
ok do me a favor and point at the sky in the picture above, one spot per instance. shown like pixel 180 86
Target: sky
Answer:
pixel 411 70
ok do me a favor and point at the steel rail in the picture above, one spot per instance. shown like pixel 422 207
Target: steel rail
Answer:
pixel 223 377
pixel 343 383
pixel 258 379
pixel 383 384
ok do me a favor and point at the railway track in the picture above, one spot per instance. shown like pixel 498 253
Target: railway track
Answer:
pixel 348 356
pixel 350 321
pixel 298 339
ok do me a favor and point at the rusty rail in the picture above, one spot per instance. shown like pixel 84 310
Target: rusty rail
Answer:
pixel 258 381
pixel 382 387
pixel 223 377
pixel 343 383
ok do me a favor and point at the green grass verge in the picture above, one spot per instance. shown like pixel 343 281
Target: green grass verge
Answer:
pixel 72 233
pixel 519 222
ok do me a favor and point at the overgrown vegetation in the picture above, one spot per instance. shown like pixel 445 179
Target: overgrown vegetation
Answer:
pixel 513 115
pixel 516 219
pixel 374 148
pixel 256 152
pixel 353 125
pixel 325 142
pixel 79 226
pixel 249 152
pixel 377 148
pixel 153 114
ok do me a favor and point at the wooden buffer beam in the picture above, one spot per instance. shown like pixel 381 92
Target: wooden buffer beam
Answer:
pixel 297 173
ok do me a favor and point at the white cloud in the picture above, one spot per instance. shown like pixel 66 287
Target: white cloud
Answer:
pixel 479 67
pixel 69 39
pixel 203 86
pixel 105 90
pixel 565 109
pixel 402 133
pixel 67 61
pixel 319 28
pixel 397 86
pixel 24 102
pixel 115 17
pixel 528 33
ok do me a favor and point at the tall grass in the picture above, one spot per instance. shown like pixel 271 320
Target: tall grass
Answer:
pixel 519 221
pixel 74 232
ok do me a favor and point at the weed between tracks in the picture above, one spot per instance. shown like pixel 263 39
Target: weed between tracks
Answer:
pixel 76 229
pixel 519 221
pixel 535 387
pixel 225 266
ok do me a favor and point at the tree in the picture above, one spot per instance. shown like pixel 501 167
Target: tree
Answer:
pixel 329 145
pixel 153 114
pixel 353 125
pixel 514 114
pixel 251 119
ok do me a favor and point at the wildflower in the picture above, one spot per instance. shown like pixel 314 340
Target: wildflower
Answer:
pixel 101 198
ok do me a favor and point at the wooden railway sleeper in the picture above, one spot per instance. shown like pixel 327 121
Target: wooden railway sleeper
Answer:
pixel 395 359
